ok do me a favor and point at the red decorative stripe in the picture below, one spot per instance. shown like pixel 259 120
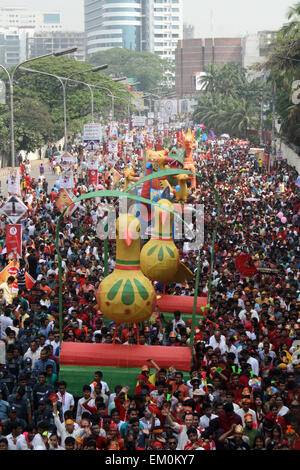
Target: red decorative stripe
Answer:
pixel 162 238
pixel 128 268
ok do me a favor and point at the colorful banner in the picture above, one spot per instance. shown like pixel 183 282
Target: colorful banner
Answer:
pixel 66 180
pixel 14 240
pixel 13 183
pixel 115 175
pixel 93 177
pixel 66 161
pixel 93 162
pixel 63 200
pixel 12 270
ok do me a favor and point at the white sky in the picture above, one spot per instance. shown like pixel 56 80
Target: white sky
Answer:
pixel 230 17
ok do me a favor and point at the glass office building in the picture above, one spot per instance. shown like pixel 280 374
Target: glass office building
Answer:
pixel 112 23
pixel 139 25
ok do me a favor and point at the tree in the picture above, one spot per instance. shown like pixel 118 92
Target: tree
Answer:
pixel 38 103
pixel 283 67
pixel 231 103
pixel 149 69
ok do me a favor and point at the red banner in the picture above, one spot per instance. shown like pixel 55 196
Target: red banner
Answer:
pixel 93 177
pixel 14 240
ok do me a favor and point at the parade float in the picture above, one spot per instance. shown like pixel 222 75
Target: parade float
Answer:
pixel 127 295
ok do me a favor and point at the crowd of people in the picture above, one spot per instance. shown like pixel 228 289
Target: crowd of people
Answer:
pixel 243 389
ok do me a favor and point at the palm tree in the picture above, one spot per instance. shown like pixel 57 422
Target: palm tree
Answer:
pixel 211 78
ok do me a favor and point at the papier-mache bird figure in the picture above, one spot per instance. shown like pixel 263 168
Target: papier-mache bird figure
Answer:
pixel 126 295
pixel 159 256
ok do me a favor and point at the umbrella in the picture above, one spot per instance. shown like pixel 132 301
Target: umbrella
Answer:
pixel 57 154
pixel 251 199
pixel 225 136
pixel 202 126
pixel 245 265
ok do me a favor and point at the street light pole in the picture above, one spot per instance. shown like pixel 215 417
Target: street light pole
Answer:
pixel 11 92
pixel 63 83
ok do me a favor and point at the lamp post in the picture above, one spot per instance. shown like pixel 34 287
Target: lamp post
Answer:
pixel 64 81
pixel 11 93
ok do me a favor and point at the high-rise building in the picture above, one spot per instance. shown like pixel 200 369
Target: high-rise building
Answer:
pixel 12 46
pixel 19 23
pixel 257 46
pixel 21 17
pixel 139 25
pixel 49 42
pixel 112 24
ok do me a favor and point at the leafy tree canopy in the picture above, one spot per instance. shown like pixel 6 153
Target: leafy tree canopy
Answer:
pixel 150 70
pixel 38 102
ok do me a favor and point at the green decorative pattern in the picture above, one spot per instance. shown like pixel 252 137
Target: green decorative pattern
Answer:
pixel 161 254
pixel 152 250
pixel 141 289
pixel 114 290
pixel 128 293
pixel 128 262
pixel 171 253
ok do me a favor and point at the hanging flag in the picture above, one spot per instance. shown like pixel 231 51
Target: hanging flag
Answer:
pixel 64 200
pixel 14 240
pixel 93 177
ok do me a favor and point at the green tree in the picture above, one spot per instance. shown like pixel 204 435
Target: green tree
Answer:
pixel 283 67
pixel 38 103
pixel 231 103
pixel 149 69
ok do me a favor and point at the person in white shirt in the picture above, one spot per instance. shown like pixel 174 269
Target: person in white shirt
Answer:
pixel 252 361
pixel 13 436
pixel 282 409
pixel 245 314
pixel 246 410
pixel 33 352
pixel 97 378
pixel 149 421
pixel 181 430
pixel 68 428
pixel 5 322
pixel 24 441
pixel 207 417
pixel 66 399
pixel 217 340
pixel 80 409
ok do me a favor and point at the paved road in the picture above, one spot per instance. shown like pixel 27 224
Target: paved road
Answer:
pixel 35 172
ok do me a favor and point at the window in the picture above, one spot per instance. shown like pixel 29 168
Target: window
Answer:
pixel 122 18
pixel 51 18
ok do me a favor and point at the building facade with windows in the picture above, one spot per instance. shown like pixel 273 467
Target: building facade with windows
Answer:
pixel 50 42
pixel 140 25
pixel 192 56
pixel 21 17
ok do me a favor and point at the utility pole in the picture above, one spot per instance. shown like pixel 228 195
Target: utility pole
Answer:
pixel 261 118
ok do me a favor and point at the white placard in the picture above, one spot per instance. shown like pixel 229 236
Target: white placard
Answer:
pixel 92 132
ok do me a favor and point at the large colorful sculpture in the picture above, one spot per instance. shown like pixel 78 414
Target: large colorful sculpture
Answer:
pixel 159 256
pixel 188 143
pixel 126 295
